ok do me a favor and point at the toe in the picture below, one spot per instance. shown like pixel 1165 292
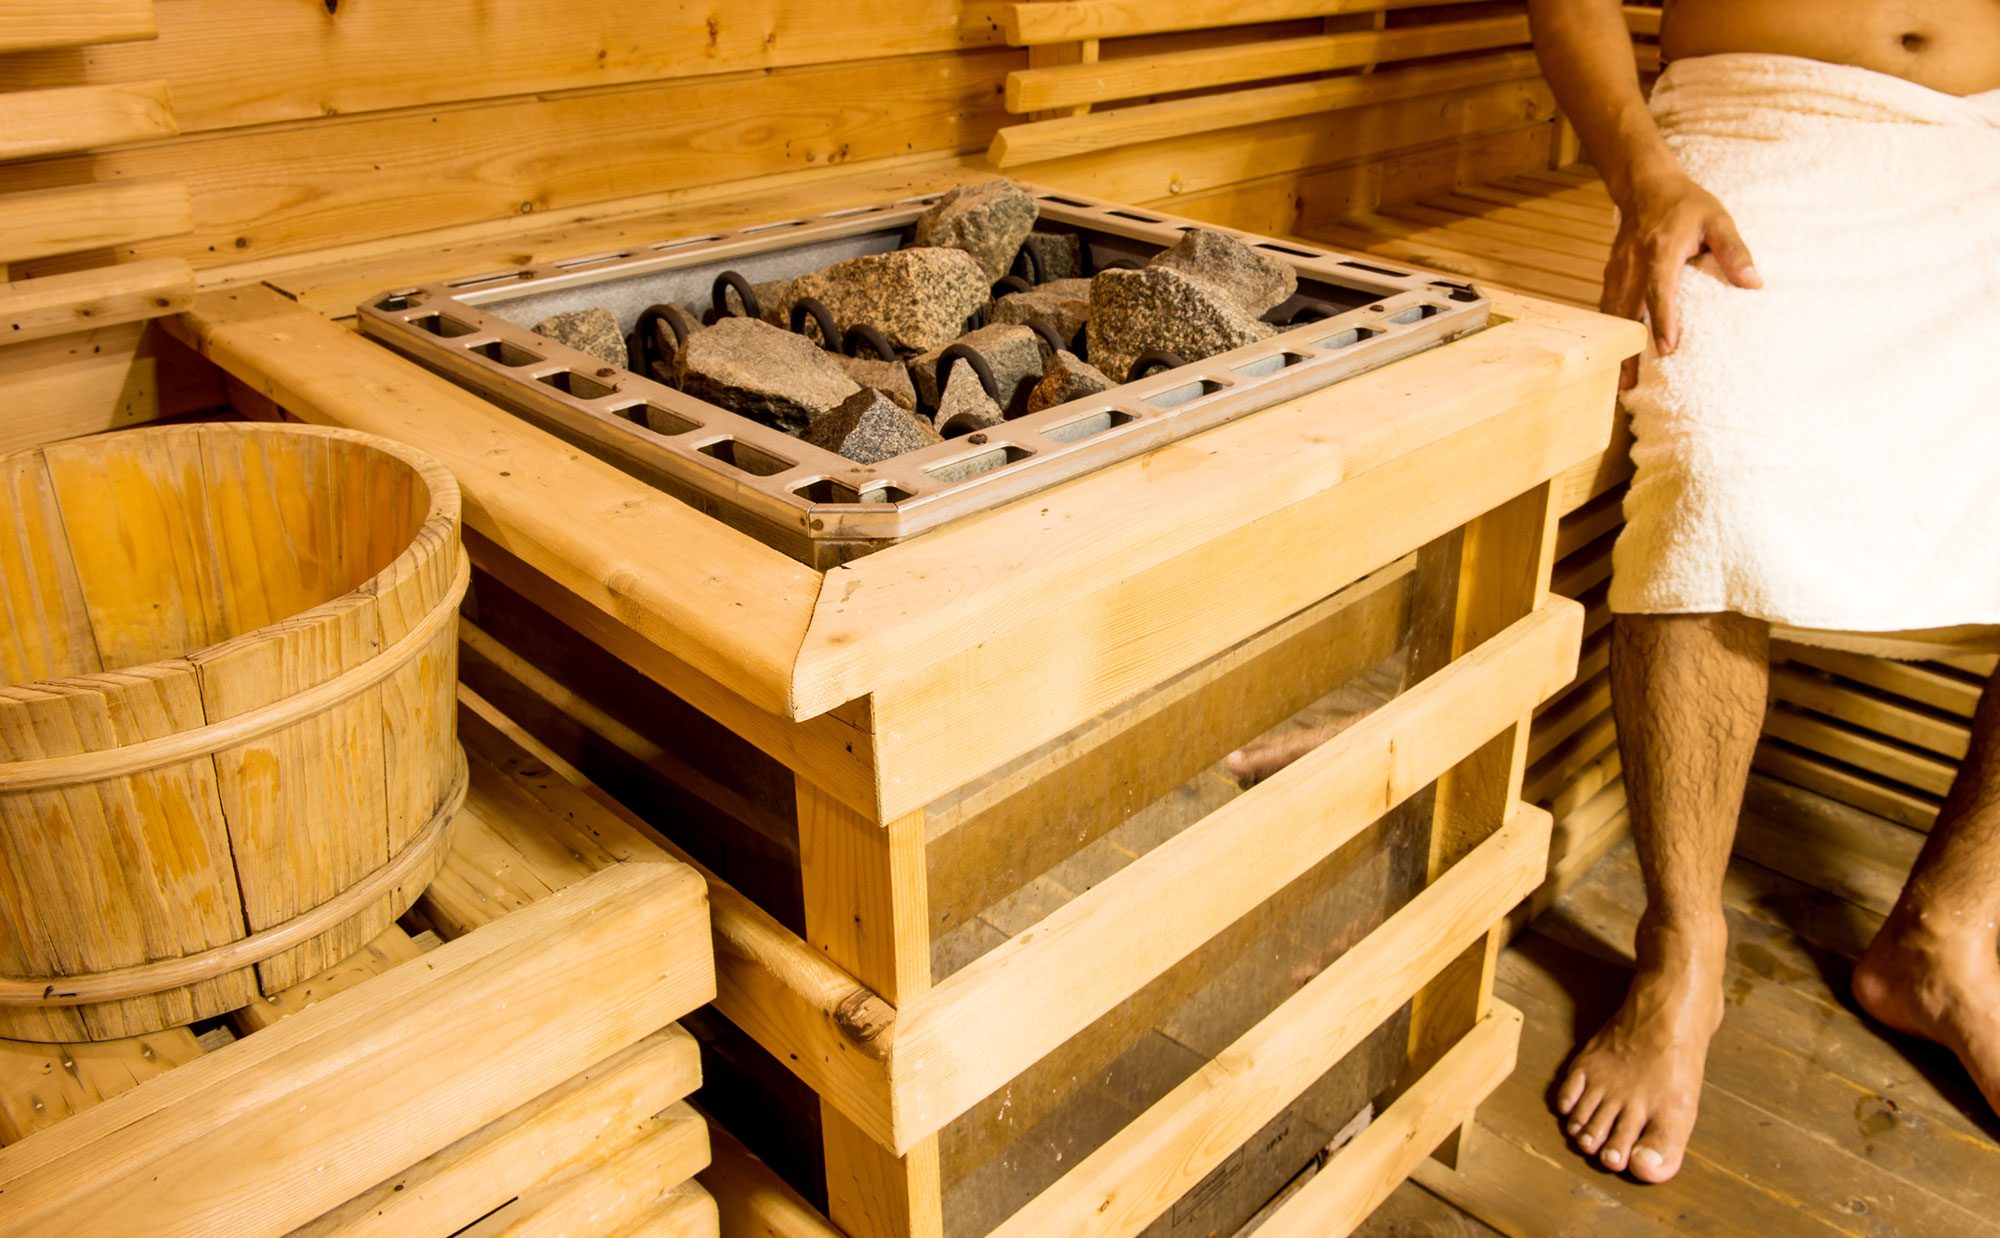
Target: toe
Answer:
pixel 1617 1150
pixel 1660 1151
pixel 1581 1113
pixel 1598 1128
pixel 1571 1091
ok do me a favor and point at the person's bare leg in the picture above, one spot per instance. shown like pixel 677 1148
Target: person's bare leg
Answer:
pixel 1934 969
pixel 1266 755
pixel 1688 692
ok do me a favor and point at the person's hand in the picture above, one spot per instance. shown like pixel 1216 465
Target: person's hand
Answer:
pixel 1668 223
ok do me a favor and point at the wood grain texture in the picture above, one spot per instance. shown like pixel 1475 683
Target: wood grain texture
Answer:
pixel 43 1084
pixel 569 1130
pixel 521 989
pixel 67 218
pixel 570 513
pixel 1133 76
pixel 608 1187
pixel 1070 20
pixel 49 122
pixel 385 174
pixel 28 25
pixel 1062 137
pixel 300 62
pixel 34 309
pixel 991 1019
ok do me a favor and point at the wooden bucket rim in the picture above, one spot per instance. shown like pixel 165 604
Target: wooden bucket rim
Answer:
pixel 442 513
pixel 147 979
pixel 99 765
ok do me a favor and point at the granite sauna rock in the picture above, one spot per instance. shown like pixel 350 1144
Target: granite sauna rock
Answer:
pixel 763 373
pixel 965 406
pixel 1063 304
pixel 1256 281
pixel 1012 352
pixel 1069 377
pixel 919 298
pixel 868 427
pixel 891 378
pixel 1058 255
pixel 988 220
pixel 593 331
pixel 1163 307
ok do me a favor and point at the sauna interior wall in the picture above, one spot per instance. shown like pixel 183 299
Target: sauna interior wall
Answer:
pixel 319 128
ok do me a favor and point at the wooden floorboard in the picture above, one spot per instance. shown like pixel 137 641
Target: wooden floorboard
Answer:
pixel 1814 1121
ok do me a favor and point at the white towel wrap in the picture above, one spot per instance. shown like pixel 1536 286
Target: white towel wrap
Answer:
pixel 1824 452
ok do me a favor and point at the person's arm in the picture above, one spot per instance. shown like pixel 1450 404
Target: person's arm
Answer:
pixel 1665 219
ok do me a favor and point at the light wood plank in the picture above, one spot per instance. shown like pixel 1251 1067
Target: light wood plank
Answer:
pixel 520 991
pixel 608 1187
pixel 1354 1183
pixel 43 1084
pixel 990 1020
pixel 48 122
pixel 41 222
pixel 1885 799
pixel 34 309
pixel 1133 76
pixel 27 25
pixel 1021 561
pixel 754 1201
pixel 1886 717
pixel 1858 748
pixel 1148 122
pixel 302 62
pixel 1138 1173
pixel 565 1130
pixel 599 528
pixel 1070 20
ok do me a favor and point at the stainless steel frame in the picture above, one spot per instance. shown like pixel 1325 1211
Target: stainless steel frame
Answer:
pixel 820 507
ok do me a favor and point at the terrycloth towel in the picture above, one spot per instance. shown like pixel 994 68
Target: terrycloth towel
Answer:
pixel 1824 452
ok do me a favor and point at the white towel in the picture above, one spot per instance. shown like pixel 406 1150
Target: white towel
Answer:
pixel 1824 452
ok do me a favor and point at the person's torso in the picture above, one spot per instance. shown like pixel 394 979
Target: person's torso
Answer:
pixel 1947 45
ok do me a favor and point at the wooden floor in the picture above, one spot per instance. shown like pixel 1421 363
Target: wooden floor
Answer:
pixel 1813 1120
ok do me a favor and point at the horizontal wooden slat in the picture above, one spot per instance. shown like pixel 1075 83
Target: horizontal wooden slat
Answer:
pixel 272 190
pixel 1869 711
pixel 1030 25
pixel 1926 685
pixel 1138 1173
pixel 33 309
pixel 389 1072
pixel 1149 122
pixel 1860 749
pixel 61 221
pixel 1848 786
pixel 547 1137
pixel 48 122
pixel 989 1021
pixel 102 379
pixel 1129 77
pixel 27 25
pixel 1361 1175
pixel 1643 21
pixel 300 61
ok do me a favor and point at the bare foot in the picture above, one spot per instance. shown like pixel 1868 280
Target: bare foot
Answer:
pixel 1632 1092
pixel 1943 986
pixel 1266 755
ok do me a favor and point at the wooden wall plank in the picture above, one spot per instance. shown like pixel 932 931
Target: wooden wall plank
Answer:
pixel 297 61
pixel 1031 24
pixel 1177 118
pixel 1183 166
pixel 48 122
pixel 104 379
pixel 261 192
pixel 33 24
pixel 33 309
pixel 1130 77
pixel 69 217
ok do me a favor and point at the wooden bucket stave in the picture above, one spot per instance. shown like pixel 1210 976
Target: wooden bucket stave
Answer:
pixel 227 747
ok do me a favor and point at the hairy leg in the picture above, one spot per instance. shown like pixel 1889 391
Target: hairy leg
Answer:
pixel 1688 692
pixel 1934 969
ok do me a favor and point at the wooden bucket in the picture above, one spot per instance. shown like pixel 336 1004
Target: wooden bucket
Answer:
pixel 228 736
